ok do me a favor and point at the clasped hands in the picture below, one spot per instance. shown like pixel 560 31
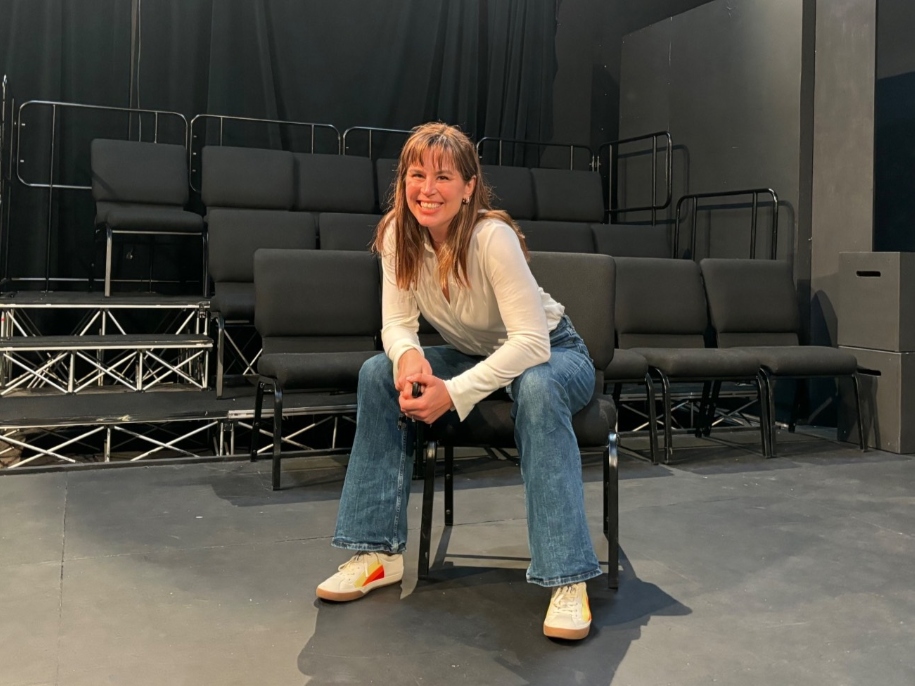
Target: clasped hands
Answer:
pixel 435 400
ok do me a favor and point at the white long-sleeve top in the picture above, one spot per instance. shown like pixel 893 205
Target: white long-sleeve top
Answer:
pixel 503 315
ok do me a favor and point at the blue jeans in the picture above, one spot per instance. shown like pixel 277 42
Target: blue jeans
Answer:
pixel 373 506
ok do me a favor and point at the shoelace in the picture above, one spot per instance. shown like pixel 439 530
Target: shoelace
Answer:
pixel 566 598
pixel 355 564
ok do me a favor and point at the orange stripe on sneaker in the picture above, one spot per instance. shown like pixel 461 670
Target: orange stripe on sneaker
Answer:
pixel 375 574
pixel 586 610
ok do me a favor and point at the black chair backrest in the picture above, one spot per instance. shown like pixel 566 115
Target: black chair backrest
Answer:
pixel 345 231
pixel 512 188
pixel 631 240
pixel 660 303
pixel 551 236
pixel 251 178
pixel 334 183
pixel 236 234
pixel 385 173
pixel 752 302
pixel 568 195
pixel 585 285
pixel 317 300
pixel 142 173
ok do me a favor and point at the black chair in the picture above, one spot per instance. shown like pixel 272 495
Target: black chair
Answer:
pixel 585 285
pixel 141 189
pixel 319 314
pixel 334 183
pixel 631 240
pixel 249 193
pixel 628 367
pixel 754 307
pixel 557 236
pixel 512 188
pixel 568 195
pixel 661 314
pixel 346 230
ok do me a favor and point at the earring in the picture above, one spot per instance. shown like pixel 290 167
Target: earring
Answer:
pixel 465 201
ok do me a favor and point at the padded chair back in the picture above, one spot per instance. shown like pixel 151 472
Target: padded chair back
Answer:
pixel 660 303
pixel 385 173
pixel 334 183
pixel 317 300
pixel 251 178
pixel 512 188
pixel 236 234
pixel 631 240
pixel 141 173
pixel 558 236
pixel 752 302
pixel 585 285
pixel 346 231
pixel 568 195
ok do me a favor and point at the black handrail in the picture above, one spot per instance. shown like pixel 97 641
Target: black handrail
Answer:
pixel 371 131
pixel 50 185
pixel 223 118
pixel 755 192
pixel 571 146
pixel 612 146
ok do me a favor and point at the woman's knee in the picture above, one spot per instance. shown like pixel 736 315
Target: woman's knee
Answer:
pixel 376 371
pixel 537 385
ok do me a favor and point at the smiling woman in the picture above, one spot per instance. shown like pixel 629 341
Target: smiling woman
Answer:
pixel 446 254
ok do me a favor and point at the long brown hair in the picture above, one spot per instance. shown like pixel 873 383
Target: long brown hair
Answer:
pixel 445 143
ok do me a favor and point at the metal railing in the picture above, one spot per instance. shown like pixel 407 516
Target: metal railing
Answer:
pixel 6 170
pixel 754 192
pixel 371 131
pixel 517 141
pixel 56 106
pixel 614 155
pixel 223 118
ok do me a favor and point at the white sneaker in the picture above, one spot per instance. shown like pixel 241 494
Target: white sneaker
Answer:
pixel 362 573
pixel 569 614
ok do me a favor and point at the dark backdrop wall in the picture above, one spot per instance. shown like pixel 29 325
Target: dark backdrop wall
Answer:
pixel 488 66
pixel 894 138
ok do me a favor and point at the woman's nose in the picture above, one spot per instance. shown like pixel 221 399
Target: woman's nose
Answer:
pixel 428 187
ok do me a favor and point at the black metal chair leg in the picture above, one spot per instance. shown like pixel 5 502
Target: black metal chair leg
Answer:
pixel 699 429
pixel 668 419
pixel 220 353
pixel 277 433
pixel 611 510
pixel 256 422
pixel 862 441
pixel 709 419
pixel 652 418
pixel 762 387
pixel 449 485
pixel 425 528
pixel 770 402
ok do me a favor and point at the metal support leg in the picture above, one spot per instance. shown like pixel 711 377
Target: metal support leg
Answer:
pixel 652 418
pixel 861 439
pixel 611 510
pixel 770 402
pixel 108 252
pixel 449 485
pixel 668 419
pixel 256 422
pixel 277 433
pixel 425 530
pixel 762 386
pixel 220 352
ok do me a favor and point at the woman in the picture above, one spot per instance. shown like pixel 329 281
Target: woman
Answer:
pixel 448 255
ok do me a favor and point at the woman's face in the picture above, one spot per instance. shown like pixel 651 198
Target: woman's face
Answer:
pixel 435 191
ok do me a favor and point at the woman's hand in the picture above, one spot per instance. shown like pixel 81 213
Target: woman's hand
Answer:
pixel 432 404
pixel 410 363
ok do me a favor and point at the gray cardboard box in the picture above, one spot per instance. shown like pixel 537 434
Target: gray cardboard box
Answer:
pixel 887 382
pixel 876 307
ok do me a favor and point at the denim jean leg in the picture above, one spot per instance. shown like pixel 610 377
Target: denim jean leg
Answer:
pixel 373 505
pixel 376 490
pixel 546 396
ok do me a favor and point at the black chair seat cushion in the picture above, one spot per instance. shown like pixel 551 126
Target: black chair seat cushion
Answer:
pixel 805 360
pixel 151 218
pixel 315 371
pixel 701 363
pixel 490 424
pixel 626 365
pixel 234 301
pixel 631 240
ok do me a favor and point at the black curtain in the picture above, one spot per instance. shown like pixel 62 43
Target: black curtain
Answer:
pixel 486 65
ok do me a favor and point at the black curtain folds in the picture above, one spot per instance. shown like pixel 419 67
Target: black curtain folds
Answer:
pixel 486 65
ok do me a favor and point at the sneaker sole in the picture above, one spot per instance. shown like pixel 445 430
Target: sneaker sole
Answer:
pixel 566 634
pixel 326 594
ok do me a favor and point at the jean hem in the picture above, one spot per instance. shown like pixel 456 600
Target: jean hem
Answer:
pixel 565 580
pixel 390 549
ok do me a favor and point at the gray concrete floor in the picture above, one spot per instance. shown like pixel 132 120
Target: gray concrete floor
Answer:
pixel 736 570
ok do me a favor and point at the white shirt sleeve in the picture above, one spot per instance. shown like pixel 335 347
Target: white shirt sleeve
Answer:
pixel 520 306
pixel 399 311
